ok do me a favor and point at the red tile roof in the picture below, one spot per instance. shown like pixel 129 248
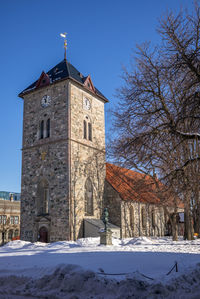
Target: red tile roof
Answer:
pixel 132 185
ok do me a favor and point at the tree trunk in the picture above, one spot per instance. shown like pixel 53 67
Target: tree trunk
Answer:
pixel 174 225
pixel 198 220
pixel 189 230
pixel 197 214
pixel 3 238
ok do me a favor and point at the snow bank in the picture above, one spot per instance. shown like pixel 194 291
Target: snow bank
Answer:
pixel 73 282
pixel 65 269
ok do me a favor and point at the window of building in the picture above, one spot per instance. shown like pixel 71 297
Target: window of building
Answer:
pixel 144 218
pixel 45 127
pixel 48 128
pixel 16 219
pixel 90 131
pixel 43 198
pixel 42 129
pixel 153 218
pixel 132 217
pixel 84 129
pixel 87 128
pixel 88 198
pixel 3 219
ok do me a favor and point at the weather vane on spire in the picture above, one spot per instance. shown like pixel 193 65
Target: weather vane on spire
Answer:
pixel 65 42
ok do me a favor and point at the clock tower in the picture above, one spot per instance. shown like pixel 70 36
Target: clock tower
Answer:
pixel 63 155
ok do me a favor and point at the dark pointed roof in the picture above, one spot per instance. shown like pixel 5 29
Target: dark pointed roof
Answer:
pixel 61 71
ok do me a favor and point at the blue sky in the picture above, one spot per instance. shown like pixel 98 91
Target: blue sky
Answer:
pixel 101 37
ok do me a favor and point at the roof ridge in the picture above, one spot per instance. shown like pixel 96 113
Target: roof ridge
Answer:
pixel 127 169
pixel 66 62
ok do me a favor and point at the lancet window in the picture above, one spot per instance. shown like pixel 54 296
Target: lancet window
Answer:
pixel 43 198
pixel 44 129
pixel 88 198
pixel 87 128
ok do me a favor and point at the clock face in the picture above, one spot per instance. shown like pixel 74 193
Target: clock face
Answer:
pixel 45 101
pixel 86 104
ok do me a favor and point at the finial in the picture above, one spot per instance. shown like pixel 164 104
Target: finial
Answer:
pixel 65 42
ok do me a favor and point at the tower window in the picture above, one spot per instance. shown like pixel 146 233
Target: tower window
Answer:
pixel 43 198
pixel 90 131
pixel 84 129
pixel 48 128
pixel 87 128
pixel 42 129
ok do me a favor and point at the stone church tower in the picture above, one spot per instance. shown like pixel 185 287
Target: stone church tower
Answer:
pixel 63 155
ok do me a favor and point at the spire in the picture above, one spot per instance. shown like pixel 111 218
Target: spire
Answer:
pixel 65 43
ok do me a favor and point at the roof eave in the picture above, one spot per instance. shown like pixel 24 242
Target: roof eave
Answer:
pixel 23 93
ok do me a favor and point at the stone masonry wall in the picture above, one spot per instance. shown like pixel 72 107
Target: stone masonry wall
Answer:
pixel 120 215
pixel 112 202
pixel 45 159
pixel 64 160
pixel 87 157
pixel 137 229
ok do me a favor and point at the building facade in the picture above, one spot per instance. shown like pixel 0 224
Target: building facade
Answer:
pixel 63 155
pixel 136 204
pixel 9 217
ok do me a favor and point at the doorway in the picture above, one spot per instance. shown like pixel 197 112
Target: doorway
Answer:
pixel 43 235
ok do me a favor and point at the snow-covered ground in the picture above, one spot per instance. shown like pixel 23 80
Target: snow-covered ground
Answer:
pixel 137 268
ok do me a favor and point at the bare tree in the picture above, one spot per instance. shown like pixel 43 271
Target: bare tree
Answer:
pixel 159 112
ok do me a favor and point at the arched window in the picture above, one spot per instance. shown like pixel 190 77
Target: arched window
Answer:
pixel 43 198
pixel 90 131
pixel 132 217
pixel 84 129
pixel 42 129
pixel 153 218
pixel 48 128
pixel 87 128
pixel 144 218
pixel 88 198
